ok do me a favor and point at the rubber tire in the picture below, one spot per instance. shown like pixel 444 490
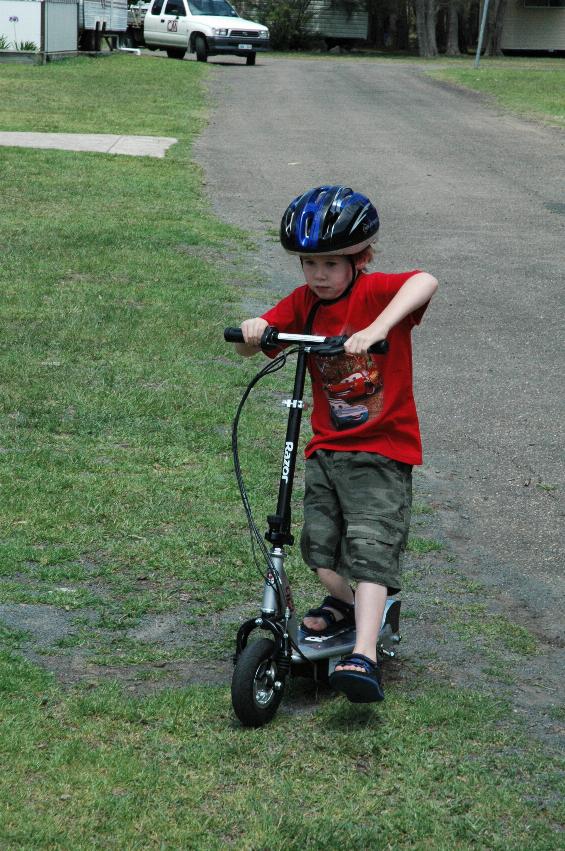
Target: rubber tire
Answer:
pixel 251 659
pixel 175 52
pixel 201 49
pixel 250 60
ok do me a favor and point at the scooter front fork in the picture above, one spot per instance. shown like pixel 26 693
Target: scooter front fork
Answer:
pixel 278 614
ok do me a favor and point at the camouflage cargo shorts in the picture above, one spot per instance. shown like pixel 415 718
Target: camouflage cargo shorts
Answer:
pixel 357 515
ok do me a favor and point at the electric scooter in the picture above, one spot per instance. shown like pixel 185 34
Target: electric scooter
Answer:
pixel 262 666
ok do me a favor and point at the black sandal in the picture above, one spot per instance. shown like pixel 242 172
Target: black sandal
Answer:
pixel 361 686
pixel 333 625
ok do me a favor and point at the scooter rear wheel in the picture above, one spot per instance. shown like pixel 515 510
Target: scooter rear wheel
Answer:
pixel 256 689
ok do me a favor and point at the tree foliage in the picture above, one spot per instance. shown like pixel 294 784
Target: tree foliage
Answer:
pixel 287 21
pixel 428 26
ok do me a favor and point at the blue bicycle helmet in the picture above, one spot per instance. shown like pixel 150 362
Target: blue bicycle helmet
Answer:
pixel 329 220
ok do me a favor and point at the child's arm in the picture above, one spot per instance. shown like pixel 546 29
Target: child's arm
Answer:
pixel 252 332
pixel 415 292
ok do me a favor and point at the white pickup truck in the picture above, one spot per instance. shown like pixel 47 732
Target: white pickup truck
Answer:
pixel 205 27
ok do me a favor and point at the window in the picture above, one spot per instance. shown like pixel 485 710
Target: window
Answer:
pixel 175 7
pixel 157 6
pixel 212 7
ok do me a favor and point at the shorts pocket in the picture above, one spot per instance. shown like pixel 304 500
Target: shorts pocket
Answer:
pixel 371 550
pixel 375 529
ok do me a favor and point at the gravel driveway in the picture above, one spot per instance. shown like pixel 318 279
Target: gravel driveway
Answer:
pixel 474 196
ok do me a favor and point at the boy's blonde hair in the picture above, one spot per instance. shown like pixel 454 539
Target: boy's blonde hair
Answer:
pixel 364 258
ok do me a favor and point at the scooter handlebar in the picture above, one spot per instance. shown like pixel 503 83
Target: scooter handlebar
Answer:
pixel 328 345
pixel 378 348
pixel 233 335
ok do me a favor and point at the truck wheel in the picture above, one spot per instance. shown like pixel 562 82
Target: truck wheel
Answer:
pixel 200 48
pixel 250 60
pixel 175 52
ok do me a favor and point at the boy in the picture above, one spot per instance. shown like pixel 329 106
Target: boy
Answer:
pixel 366 435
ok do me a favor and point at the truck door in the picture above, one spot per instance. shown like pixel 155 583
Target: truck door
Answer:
pixel 153 26
pixel 175 23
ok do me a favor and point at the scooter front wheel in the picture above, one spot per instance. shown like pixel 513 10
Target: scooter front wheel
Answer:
pixel 256 689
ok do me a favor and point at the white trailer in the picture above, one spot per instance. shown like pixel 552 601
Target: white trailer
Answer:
pixel 101 19
pixel 534 26
pixel 335 24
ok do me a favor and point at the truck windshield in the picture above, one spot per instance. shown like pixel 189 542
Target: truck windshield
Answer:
pixel 212 7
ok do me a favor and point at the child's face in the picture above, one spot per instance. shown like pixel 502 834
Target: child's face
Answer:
pixel 327 276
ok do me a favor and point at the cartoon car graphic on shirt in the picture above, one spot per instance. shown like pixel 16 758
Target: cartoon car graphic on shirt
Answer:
pixel 347 416
pixel 354 386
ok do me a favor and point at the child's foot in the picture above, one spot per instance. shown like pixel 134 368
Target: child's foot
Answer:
pixel 358 678
pixel 330 617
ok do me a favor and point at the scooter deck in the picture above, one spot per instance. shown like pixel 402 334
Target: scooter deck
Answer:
pixel 316 647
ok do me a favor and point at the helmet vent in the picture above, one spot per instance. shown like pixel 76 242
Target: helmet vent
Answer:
pixel 329 223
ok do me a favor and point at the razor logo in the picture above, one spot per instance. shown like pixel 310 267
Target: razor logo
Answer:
pixel 288 447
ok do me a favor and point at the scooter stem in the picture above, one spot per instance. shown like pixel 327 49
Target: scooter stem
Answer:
pixel 273 606
pixel 280 523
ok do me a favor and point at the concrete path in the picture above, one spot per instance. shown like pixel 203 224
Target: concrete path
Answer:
pixel 101 143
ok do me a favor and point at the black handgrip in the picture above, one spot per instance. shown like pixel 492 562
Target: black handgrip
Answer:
pixel 334 346
pixel 233 335
pixel 378 348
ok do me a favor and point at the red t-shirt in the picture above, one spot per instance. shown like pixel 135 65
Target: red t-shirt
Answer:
pixel 362 403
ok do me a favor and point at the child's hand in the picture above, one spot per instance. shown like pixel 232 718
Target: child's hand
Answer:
pixel 359 343
pixel 253 330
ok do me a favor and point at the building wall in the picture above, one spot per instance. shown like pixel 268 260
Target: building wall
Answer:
pixel 533 28
pixel 329 20
pixel 60 32
pixel 61 26
pixel 26 27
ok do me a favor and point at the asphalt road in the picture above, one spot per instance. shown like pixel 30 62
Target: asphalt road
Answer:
pixel 474 196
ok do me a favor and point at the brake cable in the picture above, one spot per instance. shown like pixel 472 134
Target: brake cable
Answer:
pixel 257 538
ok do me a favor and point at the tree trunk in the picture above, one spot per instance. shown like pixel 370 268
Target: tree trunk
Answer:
pixel 375 28
pixel 431 15
pixel 452 48
pixel 426 27
pixel 495 24
pixel 392 39
pixel 441 29
pixel 403 30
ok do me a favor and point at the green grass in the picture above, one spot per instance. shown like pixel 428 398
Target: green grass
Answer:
pixel 117 395
pixel 421 546
pixel 98 770
pixel 421 508
pixel 532 88
pixel 496 631
pixel 117 507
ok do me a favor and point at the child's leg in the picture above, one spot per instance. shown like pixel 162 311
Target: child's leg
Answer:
pixel 337 587
pixel 370 600
pixel 321 534
pixel 376 528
